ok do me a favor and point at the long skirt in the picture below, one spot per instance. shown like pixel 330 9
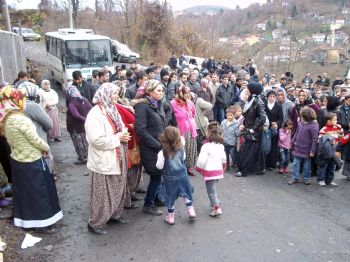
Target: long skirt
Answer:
pixel 80 144
pixel 107 197
pixel 272 156
pixel 191 150
pixel 5 159
pixel 35 200
pixel 55 132
pixel 251 158
pixel 133 181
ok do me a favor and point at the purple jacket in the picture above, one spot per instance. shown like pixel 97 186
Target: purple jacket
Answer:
pixel 305 139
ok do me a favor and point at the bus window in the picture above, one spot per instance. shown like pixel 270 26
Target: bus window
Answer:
pixel 77 54
pixel 100 53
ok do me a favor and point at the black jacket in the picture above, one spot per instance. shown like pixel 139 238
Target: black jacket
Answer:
pixel 150 123
pixel 343 117
pixel 254 118
pixel 130 92
pixel 224 96
pixel 275 114
pixel 344 149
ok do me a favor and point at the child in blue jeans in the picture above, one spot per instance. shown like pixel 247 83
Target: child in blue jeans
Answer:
pixel 284 145
pixel 304 145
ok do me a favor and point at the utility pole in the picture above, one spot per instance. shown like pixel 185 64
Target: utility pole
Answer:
pixel 7 16
pixel 70 14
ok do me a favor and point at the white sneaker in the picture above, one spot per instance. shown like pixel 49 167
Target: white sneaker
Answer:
pixel 216 212
pixel 333 184
pixel 321 183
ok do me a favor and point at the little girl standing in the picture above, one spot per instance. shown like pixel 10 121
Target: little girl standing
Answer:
pixel 304 143
pixel 284 145
pixel 175 179
pixel 211 164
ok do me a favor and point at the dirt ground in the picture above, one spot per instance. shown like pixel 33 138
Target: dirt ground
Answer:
pixel 264 219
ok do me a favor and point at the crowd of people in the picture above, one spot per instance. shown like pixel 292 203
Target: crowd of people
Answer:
pixel 171 122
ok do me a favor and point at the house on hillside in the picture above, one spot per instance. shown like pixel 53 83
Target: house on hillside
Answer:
pixel 252 40
pixel 340 38
pixel 236 41
pixel 224 40
pixel 319 38
pixel 278 33
pixel 261 26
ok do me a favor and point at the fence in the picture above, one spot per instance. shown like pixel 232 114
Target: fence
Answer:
pixel 12 56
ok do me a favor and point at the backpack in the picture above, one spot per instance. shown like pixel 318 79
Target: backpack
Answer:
pixel 326 149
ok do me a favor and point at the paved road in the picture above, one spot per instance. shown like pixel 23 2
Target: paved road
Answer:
pixel 264 220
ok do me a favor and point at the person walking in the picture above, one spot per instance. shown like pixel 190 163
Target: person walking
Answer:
pixel 107 159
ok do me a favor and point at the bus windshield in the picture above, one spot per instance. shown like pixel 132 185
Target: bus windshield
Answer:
pixel 88 53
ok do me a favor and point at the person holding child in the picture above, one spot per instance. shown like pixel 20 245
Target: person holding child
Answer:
pixel 171 159
pixel 343 148
pixel 211 164
pixel 328 139
pixel 251 158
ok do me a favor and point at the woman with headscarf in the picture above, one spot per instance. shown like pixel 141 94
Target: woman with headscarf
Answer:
pixel 134 176
pixel 150 122
pixel 274 113
pixel 185 112
pixel 50 101
pixel 39 117
pixel 251 158
pixel 78 108
pixel 107 159
pixel 332 104
pixel 205 93
pixel 303 100
pixel 35 201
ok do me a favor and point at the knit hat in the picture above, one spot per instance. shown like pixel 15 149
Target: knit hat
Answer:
pixel 164 72
pixel 271 92
pixel 255 88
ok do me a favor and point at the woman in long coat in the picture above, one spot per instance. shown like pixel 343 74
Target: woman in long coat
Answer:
pixel 150 123
pixel 274 113
pixel 50 101
pixel 107 161
pixel 35 200
pixel 251 159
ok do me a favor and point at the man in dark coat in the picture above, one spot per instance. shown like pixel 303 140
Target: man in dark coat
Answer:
pixel 131 91
pixel 173 61
pixel 223 97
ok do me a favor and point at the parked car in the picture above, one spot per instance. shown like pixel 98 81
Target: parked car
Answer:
pixel 122 53
pixel 194 62
pixel 27 33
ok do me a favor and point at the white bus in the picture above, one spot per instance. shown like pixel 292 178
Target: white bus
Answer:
pixel 69 50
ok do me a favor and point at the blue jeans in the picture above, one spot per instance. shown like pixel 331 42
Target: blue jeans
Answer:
pixel 296 168
pixel 229 151
pixel 284 157
pixel 326 171
pixel 154 186
pixel 221 114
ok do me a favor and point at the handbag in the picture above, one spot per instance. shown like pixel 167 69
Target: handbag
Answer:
pixel 134 153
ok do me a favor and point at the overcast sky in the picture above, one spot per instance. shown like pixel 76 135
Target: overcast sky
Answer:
pixel 176 4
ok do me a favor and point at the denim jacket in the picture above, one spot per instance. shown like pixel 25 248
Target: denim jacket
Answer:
pixel 229 132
